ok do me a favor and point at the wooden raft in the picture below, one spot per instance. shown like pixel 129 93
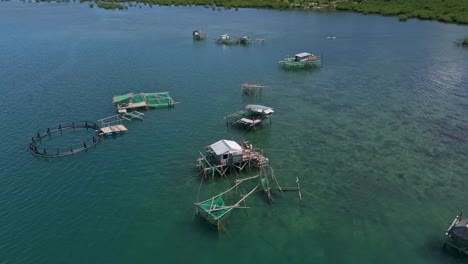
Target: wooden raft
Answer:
pixel 111 130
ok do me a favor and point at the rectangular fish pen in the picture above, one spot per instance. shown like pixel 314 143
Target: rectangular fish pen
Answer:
pixel 225 156
pixel 216 209
pixel 301 61
pixel 225 39
pixel 143 100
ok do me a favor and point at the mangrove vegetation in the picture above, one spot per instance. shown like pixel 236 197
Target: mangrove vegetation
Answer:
pixel 462 42
pixel 450 11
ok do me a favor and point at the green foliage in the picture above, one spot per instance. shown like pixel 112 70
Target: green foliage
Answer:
pixel 451 11
pixel 465 42
pixel 111 5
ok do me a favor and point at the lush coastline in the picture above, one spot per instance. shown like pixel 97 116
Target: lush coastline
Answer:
pixel 463 42
pixel 449 11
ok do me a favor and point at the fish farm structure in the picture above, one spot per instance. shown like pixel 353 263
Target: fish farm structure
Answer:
pixel 227 40
pixel 143 100
pixel 38 145
pixel 225 156
pixel 251 117
pixel 129 116
pixel 215 210
pixel 457 234
pixel 301 61
pixel 218 209
pixel 111 126
pixel 252 89
pixel 260 41
pixel 198 35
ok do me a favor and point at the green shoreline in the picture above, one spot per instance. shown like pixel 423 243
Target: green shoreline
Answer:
pixel 448 11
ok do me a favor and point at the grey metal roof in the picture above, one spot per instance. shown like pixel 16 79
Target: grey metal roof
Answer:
pixel 303 54
pixel 259 108
pixel 226 146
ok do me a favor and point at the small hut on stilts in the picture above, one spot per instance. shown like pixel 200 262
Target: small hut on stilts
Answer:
pixel 225 156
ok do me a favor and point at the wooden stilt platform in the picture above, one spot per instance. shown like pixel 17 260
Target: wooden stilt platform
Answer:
pixel 251 117
pixel 252 89
pixel 225 156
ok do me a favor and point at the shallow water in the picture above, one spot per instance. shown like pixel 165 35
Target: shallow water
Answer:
pixel 372 134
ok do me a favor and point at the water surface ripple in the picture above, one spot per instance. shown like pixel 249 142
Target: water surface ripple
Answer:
pixel 377 134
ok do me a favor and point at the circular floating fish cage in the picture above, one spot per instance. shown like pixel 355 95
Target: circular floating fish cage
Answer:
pixel 65 139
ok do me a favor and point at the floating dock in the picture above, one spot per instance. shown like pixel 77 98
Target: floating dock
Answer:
pixel 111 126
pixel 112 130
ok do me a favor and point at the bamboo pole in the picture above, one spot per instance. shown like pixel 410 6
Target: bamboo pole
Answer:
pixel 214 209
pixel 210 165
pixel 228 190
pixel 236 204
pixel 299 190
pixel 198 195
pixel 273 176
pixel 245 207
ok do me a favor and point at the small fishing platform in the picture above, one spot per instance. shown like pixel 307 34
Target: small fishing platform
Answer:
pixel 225 156
pixel 301 61
pixel 457 234
pixel 198 35
pixel 111 126
pixel 252 89
pixel 251 117
pixel 130 116
pixel 225 39
pixel 143 100
pixel 260 41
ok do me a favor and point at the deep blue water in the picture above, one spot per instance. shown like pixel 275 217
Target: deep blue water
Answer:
pixel 367 134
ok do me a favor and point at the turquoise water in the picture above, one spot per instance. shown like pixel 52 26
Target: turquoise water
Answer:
pixel 367 134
